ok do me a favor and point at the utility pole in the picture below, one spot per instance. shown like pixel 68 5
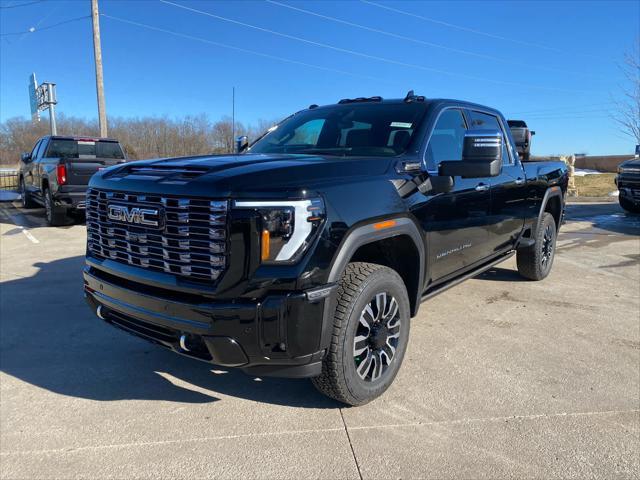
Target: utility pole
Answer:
pixel 233 118
pixel 97 55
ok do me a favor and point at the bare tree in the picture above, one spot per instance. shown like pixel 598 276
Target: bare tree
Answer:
pixel 627 105
pixel 146 137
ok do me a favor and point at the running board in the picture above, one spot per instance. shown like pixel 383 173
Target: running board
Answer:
pixel 474 273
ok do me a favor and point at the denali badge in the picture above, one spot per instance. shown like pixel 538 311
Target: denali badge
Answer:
pixel 142 216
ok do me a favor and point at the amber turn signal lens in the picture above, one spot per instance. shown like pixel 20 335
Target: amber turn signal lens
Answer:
pixel 385 224
pixel 265 250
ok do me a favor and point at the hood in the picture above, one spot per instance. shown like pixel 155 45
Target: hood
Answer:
pixel 239 175
pixel 633 162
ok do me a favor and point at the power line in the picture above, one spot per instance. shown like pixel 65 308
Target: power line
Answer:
pixel 21 4
pixel 423 42
pixel 480 32
pixel 564 108
pixel 238 49
pixel 368 56
pixel 34 30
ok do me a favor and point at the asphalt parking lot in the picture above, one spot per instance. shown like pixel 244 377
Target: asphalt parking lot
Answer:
pixel 502 378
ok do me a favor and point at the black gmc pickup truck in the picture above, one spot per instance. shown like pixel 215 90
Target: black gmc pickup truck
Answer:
pixel 307 254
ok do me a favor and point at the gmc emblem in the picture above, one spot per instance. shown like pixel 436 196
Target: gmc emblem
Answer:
pixel 149 217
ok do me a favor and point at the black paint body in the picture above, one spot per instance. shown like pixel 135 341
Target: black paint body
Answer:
pixel 258 316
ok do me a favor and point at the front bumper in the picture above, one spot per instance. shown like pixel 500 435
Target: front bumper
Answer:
pixel 279 335
pixel 629 187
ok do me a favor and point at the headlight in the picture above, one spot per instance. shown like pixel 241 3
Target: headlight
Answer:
pixel 288 226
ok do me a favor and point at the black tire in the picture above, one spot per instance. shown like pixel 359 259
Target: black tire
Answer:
pixel 535 262
pixel 27 201
pixel 358 379
pixel 55 215
pixel 628 205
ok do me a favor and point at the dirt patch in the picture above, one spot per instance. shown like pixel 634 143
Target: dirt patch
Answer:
pixel 596 185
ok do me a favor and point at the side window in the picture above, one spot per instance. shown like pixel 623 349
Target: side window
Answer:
pixel 484 120
pixel 447 138
pixel 34 152
pixel 42 148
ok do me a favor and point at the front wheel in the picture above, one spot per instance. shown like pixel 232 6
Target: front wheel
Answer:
pixel 370 334
pixel 27 201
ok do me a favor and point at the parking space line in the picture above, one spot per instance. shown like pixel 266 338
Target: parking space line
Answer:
pixel 462 421
pixel 23 229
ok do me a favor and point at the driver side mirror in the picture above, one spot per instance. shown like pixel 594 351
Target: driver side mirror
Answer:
pixel 533 132
pixel 25 157
pixel 481 156
pixel 242 143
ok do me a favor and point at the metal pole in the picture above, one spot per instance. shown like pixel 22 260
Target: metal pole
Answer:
pixel 52 119
pixel 97 54
pixel 233 118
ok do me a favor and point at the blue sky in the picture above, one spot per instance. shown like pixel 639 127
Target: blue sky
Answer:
pixel 551 63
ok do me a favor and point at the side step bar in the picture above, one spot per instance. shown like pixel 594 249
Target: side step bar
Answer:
pixel 474 273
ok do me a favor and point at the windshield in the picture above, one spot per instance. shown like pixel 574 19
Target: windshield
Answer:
pixel 68 148
pixel 367 129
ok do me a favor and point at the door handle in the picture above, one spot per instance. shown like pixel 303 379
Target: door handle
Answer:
pixel 519 181
pixel 482 187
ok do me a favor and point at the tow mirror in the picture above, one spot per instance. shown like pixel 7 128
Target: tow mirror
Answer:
pixel 242 143
pixel 25 157
pixel 481 156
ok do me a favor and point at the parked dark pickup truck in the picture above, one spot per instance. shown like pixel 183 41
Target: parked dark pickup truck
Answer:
pixel 56 173
pixel 628 182
pixel 308 254
pixel 521 137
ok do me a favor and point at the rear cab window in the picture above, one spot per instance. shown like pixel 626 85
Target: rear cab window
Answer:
pixel 84 149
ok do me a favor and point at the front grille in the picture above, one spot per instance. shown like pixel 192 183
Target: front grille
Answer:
pixel 190 239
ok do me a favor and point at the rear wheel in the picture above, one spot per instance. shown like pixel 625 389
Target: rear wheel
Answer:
pixel 370 335
pixel 628 205
pixel 27 202
pixel 535 262
pixel 55 215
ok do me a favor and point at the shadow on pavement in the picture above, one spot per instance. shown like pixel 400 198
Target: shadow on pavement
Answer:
pixel 50 339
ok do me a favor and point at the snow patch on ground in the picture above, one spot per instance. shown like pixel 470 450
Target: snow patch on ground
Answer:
pixel 581 172
pixel 8 196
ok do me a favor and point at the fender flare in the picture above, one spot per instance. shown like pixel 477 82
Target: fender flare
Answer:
pixel 551 192
pixel 364 235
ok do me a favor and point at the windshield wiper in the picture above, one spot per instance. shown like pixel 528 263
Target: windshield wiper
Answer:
pixel 336 152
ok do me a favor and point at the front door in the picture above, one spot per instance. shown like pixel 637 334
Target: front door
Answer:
pixel 509 201
pixel 454 223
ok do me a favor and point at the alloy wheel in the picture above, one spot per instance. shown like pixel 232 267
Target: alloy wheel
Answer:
pixel 48 208
pixel 376 338
pixel 547 247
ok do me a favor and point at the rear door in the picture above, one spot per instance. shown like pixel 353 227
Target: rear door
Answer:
pixel 84 157
pixel 508 190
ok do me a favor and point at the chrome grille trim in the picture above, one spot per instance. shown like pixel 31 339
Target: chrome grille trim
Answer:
pixel 191 242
